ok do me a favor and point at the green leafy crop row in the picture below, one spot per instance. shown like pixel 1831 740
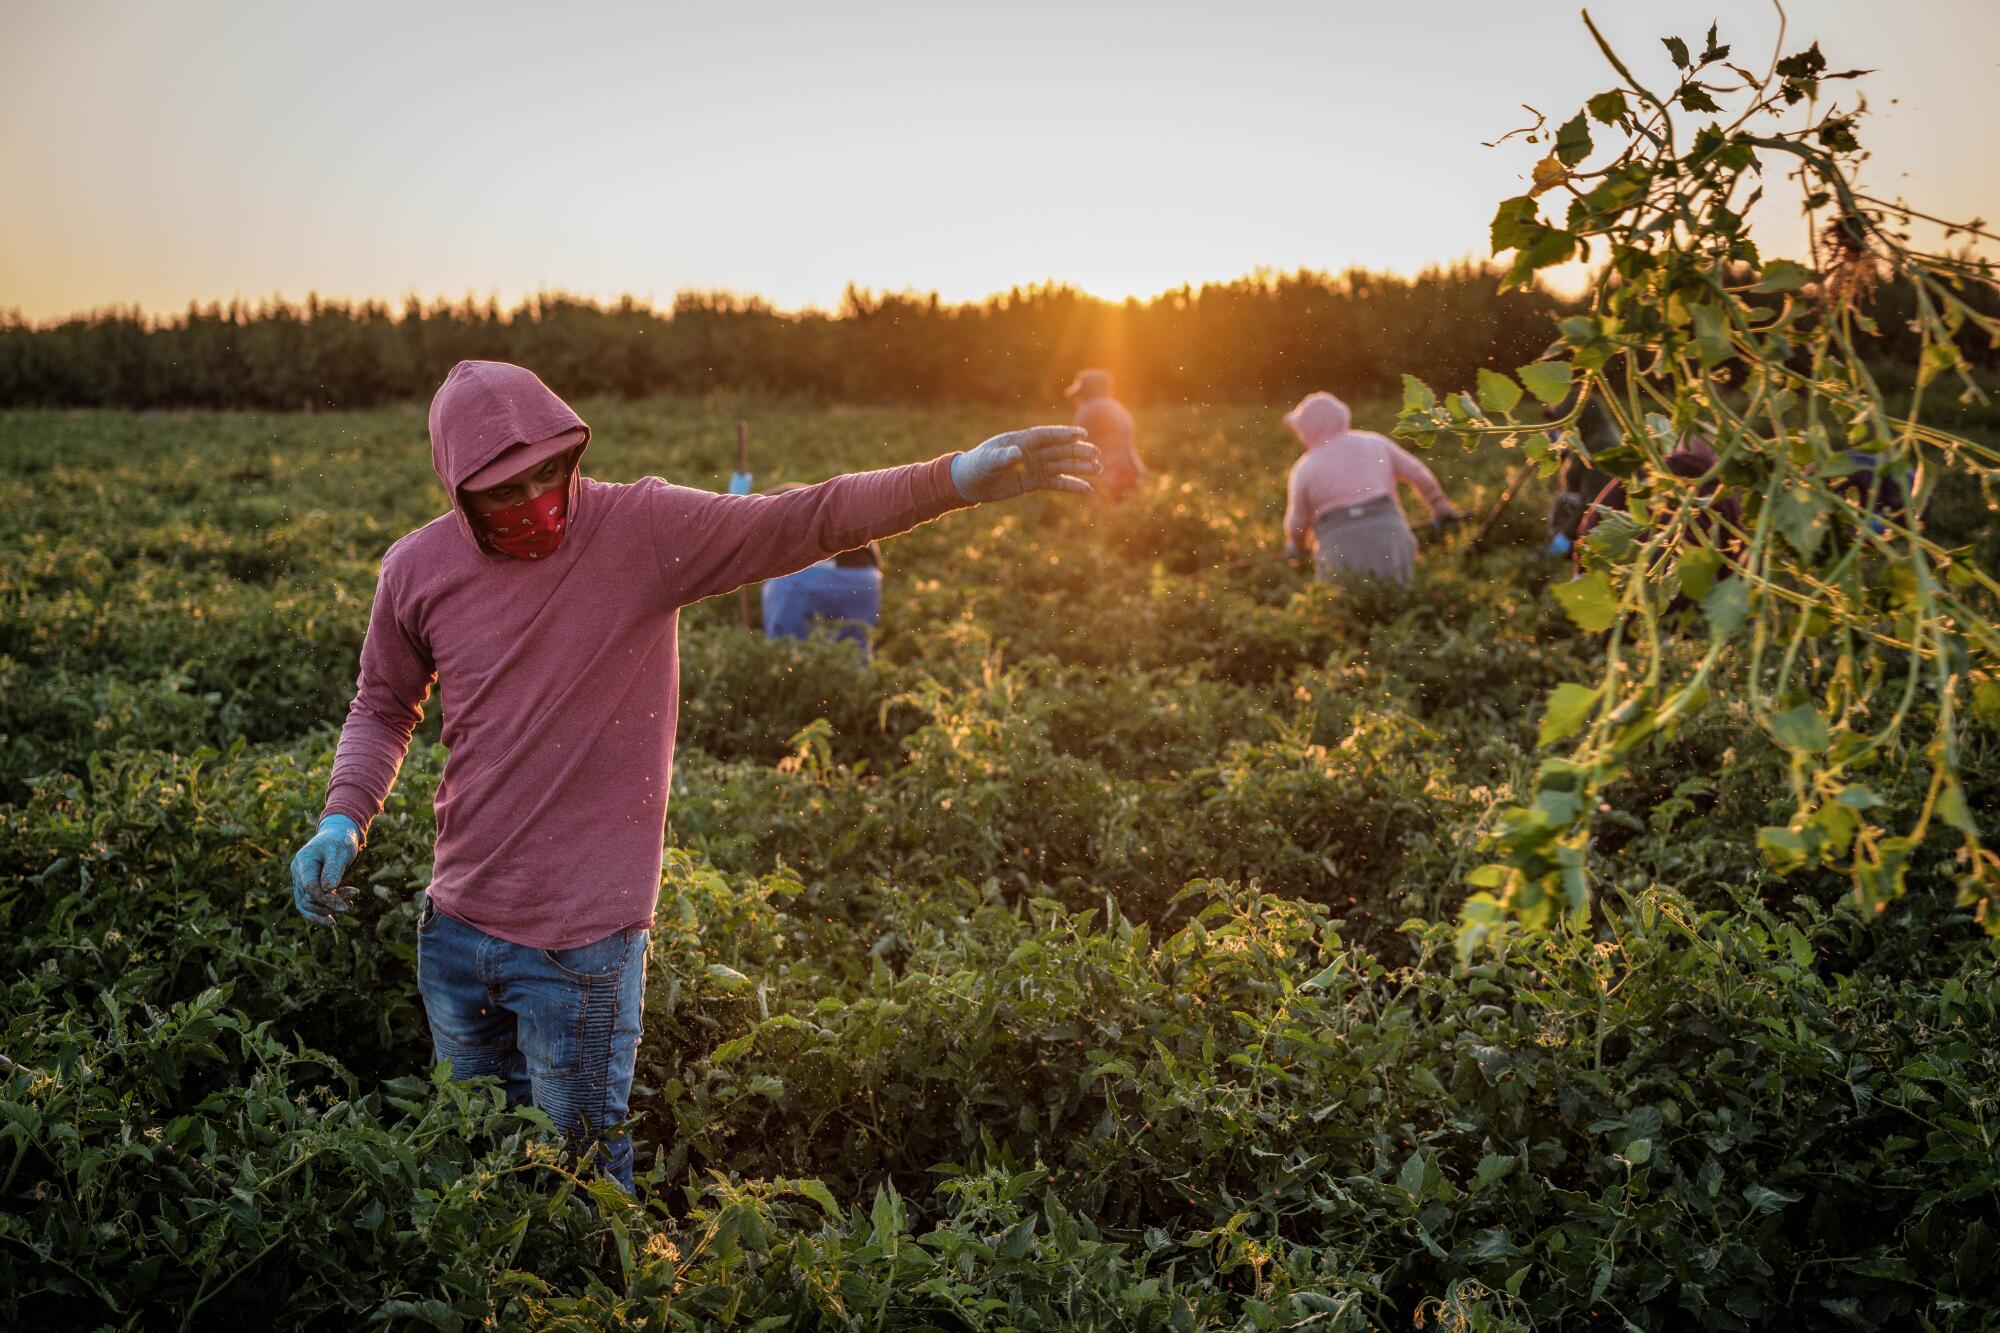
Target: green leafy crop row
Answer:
pixel 1075 964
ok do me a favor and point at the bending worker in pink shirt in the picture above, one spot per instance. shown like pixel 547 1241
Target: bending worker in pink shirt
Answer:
pixel 1342 495
pixel 545 607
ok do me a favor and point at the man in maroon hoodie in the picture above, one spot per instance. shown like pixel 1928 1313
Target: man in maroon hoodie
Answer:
pixel 545 608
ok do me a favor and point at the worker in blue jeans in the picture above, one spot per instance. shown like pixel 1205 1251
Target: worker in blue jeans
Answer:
pixel 490 1001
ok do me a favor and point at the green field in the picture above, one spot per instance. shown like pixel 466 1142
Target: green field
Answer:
pixel 1086 961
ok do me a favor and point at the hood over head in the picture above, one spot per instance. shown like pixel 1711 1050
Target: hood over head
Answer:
pixel 1319 417
pixel 490 420
pixel 1089 384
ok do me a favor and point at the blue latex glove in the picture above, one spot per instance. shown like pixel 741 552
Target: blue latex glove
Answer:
pixel 1558 545
pixel 1041 458
pixel 317 869
pixel 739 483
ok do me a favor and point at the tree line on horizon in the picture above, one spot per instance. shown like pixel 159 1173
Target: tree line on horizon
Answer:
pixel 1264 337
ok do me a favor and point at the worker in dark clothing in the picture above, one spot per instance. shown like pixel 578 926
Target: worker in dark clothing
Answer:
pixel 1870 484
pixel 1718 523
pixel 1577 481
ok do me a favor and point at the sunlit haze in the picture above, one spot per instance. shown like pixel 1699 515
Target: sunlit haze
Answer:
pixel 154 154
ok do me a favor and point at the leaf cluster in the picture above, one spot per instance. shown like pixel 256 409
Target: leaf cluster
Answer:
pixel 1778 490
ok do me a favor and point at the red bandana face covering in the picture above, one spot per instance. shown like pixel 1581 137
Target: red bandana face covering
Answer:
pixel 530 530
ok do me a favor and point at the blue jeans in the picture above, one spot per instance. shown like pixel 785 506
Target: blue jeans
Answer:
pixel 848 601
pixel 557 1027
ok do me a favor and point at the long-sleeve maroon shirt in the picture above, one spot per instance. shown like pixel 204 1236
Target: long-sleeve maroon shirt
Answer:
pixel 559 679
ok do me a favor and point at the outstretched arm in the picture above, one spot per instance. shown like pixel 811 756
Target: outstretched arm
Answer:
pixel 710 544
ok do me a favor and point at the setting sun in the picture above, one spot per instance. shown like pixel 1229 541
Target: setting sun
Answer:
pixel 788 152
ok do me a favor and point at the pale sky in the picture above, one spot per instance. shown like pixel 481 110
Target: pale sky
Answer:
pixel 157 153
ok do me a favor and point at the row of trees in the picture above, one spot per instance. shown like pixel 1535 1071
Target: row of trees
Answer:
pixel 1266 337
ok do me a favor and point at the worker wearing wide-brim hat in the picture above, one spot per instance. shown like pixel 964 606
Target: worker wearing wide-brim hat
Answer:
pixel 1108 425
